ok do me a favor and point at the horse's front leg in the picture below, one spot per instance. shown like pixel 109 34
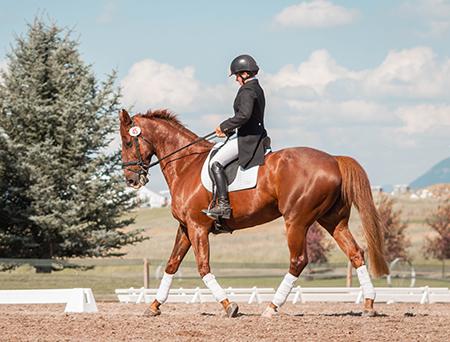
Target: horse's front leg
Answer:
pixel 296 238
pixel 180 248
pixel 200 244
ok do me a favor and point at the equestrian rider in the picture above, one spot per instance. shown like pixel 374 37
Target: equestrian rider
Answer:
pixel 247 143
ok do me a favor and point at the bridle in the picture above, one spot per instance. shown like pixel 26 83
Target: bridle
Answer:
pixel 135 132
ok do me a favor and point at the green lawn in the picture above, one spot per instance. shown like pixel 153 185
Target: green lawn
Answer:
pixel 105 279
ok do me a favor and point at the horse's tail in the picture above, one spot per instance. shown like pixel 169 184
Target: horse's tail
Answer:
pixel 355 189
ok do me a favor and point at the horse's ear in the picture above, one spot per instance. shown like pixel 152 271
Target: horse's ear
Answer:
pixel 124 117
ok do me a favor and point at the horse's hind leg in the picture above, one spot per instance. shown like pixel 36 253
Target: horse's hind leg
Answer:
pixel 336 223
pixel 181 247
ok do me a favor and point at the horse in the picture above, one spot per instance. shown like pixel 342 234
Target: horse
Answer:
pixel 304 185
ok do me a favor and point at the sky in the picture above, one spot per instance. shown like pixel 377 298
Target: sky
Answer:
pixel 367 79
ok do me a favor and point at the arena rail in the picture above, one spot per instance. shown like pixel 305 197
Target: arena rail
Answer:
pixel 77 300
pixel 300 294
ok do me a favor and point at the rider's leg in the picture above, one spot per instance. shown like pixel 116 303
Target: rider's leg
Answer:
pixel 225 155
pixel 223 207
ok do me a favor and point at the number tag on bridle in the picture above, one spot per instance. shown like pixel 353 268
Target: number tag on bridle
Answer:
pixel 135 131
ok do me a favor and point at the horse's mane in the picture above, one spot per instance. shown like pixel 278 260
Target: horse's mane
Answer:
pixel 172 119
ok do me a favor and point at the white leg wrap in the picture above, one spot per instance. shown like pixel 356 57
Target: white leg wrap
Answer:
pixel 284 290
pixel 213 286
pixel 365 282
pixel 164 287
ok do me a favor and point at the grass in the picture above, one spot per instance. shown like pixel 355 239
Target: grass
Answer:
pixel 262 244
pixel 105 280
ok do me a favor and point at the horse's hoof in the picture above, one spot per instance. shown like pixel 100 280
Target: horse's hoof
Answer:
pixel 269 312
pixel 232 310
pixel 369 313
pixel 150 312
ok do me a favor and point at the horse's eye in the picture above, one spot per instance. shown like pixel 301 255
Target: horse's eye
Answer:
pixel 128 144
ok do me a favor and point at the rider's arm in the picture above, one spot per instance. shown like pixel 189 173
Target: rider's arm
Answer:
pixel 243 109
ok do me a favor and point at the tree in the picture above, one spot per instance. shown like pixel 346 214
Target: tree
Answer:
pixel 317 247
pixel 394 233
pixel 439 246
pixel 62 195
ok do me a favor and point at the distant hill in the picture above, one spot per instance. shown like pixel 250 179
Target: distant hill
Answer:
pixel 440 173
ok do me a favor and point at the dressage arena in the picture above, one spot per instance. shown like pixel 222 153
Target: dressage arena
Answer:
pixel 205 322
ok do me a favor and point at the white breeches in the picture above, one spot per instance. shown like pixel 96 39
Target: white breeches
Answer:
pixel 227 152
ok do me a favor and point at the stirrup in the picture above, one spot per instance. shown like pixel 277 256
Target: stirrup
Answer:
pixel 219 212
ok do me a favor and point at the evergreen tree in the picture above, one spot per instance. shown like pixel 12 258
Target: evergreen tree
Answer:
pixel 61 196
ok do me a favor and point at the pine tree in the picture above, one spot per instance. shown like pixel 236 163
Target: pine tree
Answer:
pixel 61 196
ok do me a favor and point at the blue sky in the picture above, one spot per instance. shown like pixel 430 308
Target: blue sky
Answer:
pixel 361 78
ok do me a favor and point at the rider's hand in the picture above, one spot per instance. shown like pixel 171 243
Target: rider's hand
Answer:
pixel 219 132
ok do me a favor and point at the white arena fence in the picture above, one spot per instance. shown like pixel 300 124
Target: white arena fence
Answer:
pixel 77 300
pixel 299 294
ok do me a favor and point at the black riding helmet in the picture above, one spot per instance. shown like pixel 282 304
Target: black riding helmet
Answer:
pixel 244 63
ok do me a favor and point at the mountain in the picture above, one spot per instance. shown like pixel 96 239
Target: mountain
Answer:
pixel 440 173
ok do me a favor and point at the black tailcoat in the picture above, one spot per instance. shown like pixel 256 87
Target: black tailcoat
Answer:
pixel 249 120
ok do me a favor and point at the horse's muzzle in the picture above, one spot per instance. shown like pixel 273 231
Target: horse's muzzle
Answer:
pixel 137 181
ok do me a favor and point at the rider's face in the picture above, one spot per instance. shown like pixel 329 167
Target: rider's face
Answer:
pixel 239 78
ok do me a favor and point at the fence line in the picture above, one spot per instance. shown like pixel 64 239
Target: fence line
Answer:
pixel 298 295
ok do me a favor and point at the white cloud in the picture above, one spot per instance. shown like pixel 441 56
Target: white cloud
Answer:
pixel 153 85
pixel 316 73
pixel 431 9
pixel 315 14
pixel 157 85
pixel 438 28
pixel 400 104
pixel 407 74
pixel 410 73
pixel 436 14
pixel 423 117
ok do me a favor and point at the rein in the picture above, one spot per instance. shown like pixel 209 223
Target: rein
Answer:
pixel 136 133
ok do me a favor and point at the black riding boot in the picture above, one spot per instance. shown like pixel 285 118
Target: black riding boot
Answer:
pixel 223 208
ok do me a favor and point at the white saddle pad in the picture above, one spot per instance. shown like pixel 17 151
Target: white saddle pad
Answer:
pixel 245 179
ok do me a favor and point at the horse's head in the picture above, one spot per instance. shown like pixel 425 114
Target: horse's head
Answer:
pixel 137 151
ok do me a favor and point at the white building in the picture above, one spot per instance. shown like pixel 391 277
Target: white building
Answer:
pixel 400 189
pixel 152 199
pixel 376 189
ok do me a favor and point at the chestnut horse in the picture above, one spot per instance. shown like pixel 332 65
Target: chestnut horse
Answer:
pixel 301 184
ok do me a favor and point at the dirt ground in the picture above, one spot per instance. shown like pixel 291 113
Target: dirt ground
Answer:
pixel 205 322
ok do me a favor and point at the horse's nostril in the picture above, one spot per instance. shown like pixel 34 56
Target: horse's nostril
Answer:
pixel 130 182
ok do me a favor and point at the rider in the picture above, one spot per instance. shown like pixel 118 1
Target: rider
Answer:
pixel 248 120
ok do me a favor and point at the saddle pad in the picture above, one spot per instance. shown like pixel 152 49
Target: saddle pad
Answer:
pixel 245 179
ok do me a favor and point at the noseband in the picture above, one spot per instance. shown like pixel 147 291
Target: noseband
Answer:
pixel 135 132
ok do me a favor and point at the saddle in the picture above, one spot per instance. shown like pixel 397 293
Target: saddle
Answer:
pixel 237 179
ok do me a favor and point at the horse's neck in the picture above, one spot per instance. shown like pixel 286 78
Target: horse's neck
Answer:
pixel 169 140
